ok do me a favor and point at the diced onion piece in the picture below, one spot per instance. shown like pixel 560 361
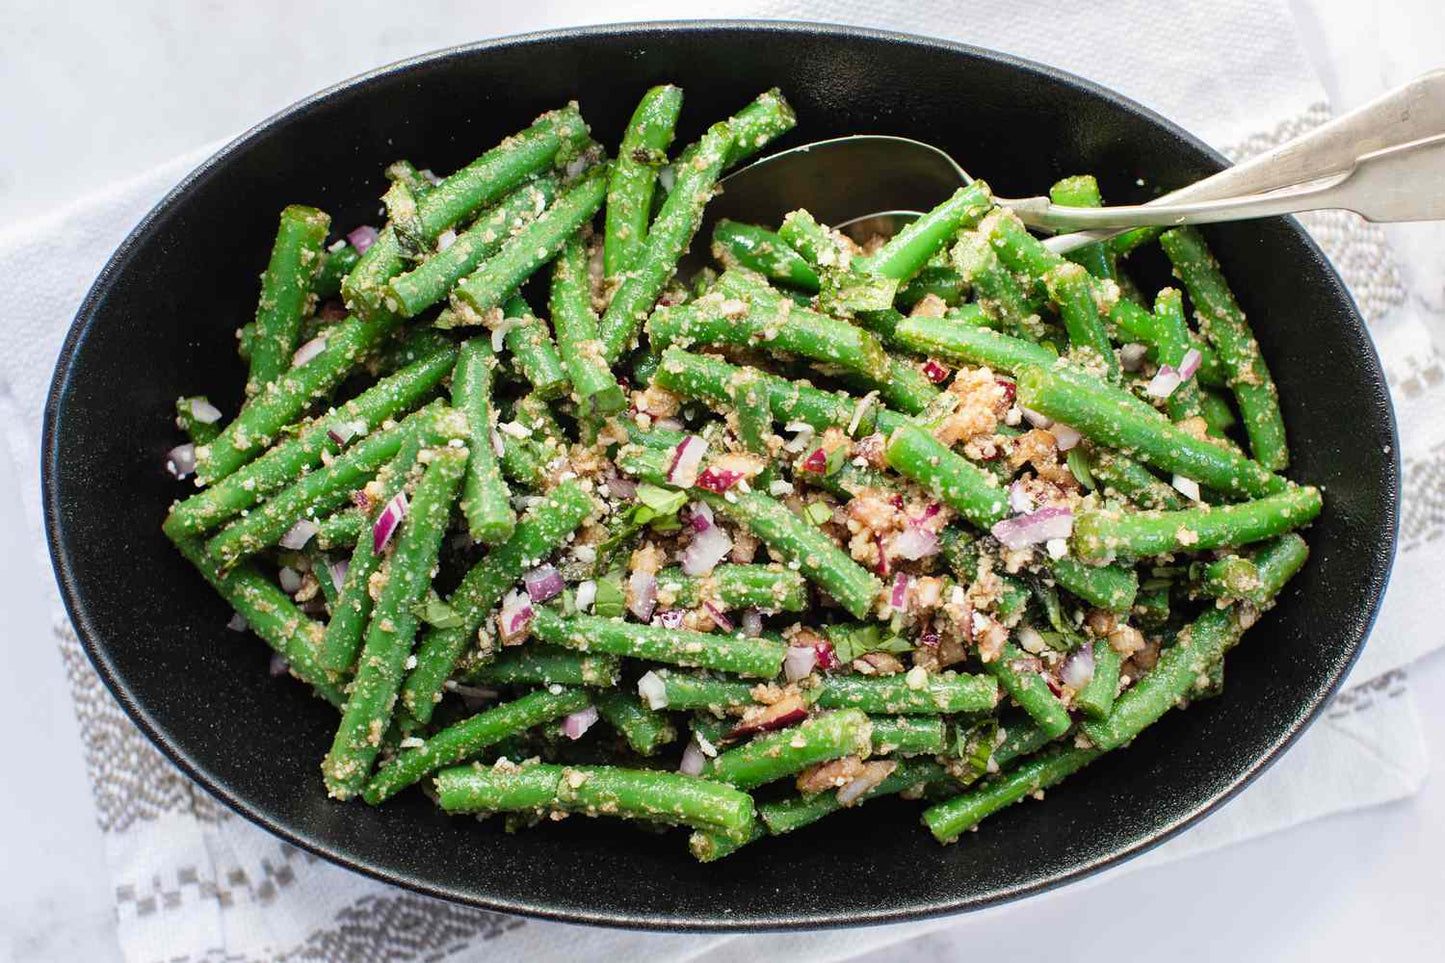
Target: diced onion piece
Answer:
pixel 290 580
pixel 1163 384
pixel 693 760
pixel 619 486
pixel 308 351
pixel 1187 487
pixel 576 724
pixel 935 372
pixel 499 333
pixel 1131 355
pixel 387 522
pixel 586 595
pixel 446 239
pixel 752 623
pixel 817 461
pixel 898 597
pixel 1035 418
pixel 543 582
pixel 686 460
pixel 181 460
pixel 1022 531
pixel 671 618
pixel 873 774
pixel 237 623
pixel 1019 499
pixel 515 620
pixel 798 661
pixel 804 433
pixel 652 690
pixel 642 594
pixel 499 447
pixel 279 666
pixel 1057 547
pixel 338 570
pixel 719 616
pixel 1189 364
pixel 362 238
pixel 299 534
pixel 1065 437
pixel 1078 668
pixel 913 543
pixel 718 480
pixel 205 412
pixel 707 548
pixel 1031 641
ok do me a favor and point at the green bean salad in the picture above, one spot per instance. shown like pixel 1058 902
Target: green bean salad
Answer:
pixel 943 515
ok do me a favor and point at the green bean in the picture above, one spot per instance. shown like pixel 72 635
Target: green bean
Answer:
pixel 470 736
pixel 753 406
pixel 321 572
pixel 1183 402
pixel 404 172
pixel 546 665
pixel 264 418
pixel 271 614
pixel 767 117
pixel 429 282
pixel 534 245
pixel 774 755
pixel 726 653
pixel 759 249
pixel 339 529
pixel 905 388
pixel 1106 533
pixel 1129 479
pixel 815 243
pixel 800 544
pixel 1021 737
pixel 392 631
pixel 537 535
pixel 771 588
pixel 1231 577
pixel 667 239
pixel 960 343
pixel 533 351
pixel 486 500
pixel 946 692
pixel 849 480
pixel 336 263
pixel 285 289
pixel 594 387
pixel 1113 417
pixel 1132 322
pixel 281 465
pixel 908 250
pixel 949 819
pixel 1151 608
pixel 1016 247
pixel 198 431
pixel 645 730
pixel 1223 324
pixel 522 463
pixel 1082 190
pixel 1177 673
pixel 634 176
pixel 946 475
pixel 645 794
pixel 1111 587
pixel 1029 690
pixel 1276 563
pixel 1130 241
pixel 312 494
pixel 1073 290
pixel 709 379
pixel 1096 697
pixel 707 846
pixel 553 137
pixel 1218 416
pixel 795 812
pixel 944 283
pixel 994 287
pixel 692 690
pixel 908 735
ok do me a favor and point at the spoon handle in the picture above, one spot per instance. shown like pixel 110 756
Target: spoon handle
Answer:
pixel 1408 113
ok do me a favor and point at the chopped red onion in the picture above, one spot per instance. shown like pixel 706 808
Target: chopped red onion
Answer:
pixel 308 351
pixel 1010 389
pixel 543 582
pixel 929 637
pixel 798 662
pixel 446 239
pixel 671 618
pixel 719 616
pixel 290 580
pixel 707 548
pixel 1131 355
pixel 387 522
pixel 718 480
pixel 576 724
pixel 693 760
pixel 499 447
pixel 362 238
pixel 1189 364
pixel 1019 499
pixel 1022 531
pixel 1163 383
pixel 1187 487
pixel 279 665
pixel 1065 437
pixel 338 570
pixel 804 433
pixel 1030 640
pixel 619 486
pixel 935 372
pixel 686 460
pixel 586 595
pixel 700 516
pixel 1035 418
pixel 499 333
pixel 181 460
pixel 642 594
pixel 299 534
pixel 913 543
pixel 669 424
pixel 898 598
pixel 786 712
pixel 827 659
pixel 515 620
pixel 817 461
pixel 873 774
pixel 342 432
pixel 883 568
pixel 1078 668
pixel 205 412
pixel 752 623
pixel 652 690
pixel 237 622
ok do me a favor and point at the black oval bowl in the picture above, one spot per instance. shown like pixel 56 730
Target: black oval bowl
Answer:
pixel 160 323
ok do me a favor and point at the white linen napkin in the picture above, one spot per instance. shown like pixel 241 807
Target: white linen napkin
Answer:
pixel 193 881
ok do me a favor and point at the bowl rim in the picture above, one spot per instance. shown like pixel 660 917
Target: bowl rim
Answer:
pixel 93 637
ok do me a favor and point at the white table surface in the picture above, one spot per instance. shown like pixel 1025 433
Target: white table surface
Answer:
pixel 1361 886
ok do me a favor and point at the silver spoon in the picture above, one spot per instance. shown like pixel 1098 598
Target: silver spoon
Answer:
pixel 1385 160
